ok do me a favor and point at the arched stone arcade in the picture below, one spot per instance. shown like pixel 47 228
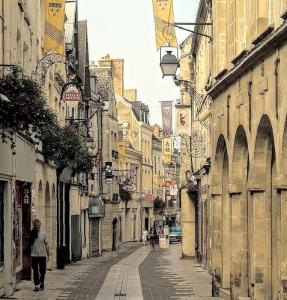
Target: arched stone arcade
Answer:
pixel 239 215
pixel 221 221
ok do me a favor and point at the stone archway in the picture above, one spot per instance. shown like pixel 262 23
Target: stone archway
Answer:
pixel 39 201
pixel 239 216
pixel 262 227
pixel 221 217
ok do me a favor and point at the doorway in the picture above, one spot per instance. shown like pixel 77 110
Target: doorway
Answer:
pixel 115 230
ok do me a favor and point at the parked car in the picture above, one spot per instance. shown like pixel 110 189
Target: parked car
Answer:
pixel 175 234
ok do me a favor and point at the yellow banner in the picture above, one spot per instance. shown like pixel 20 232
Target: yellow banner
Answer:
pixel 122 151
pixel 166 159
pixel 164 23
pixel 54 26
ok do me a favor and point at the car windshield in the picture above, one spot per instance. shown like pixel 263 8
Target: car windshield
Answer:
pixel 175 229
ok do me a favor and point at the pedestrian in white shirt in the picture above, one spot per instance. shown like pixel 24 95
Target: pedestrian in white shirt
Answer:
pixel 39 253
pixel 144 236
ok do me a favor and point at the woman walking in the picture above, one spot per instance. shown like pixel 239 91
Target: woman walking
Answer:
pixel 40 255
pixel 153 237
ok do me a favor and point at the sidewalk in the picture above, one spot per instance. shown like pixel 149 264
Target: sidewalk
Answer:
pixel 80 280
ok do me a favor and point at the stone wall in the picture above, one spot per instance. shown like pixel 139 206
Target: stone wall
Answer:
pixel 249 157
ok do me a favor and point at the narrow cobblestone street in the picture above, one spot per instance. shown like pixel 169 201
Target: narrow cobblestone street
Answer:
pixel 134 272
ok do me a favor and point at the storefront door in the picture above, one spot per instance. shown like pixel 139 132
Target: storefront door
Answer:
pixel 22 227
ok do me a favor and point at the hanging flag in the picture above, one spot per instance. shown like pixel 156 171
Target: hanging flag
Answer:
pixel 166 110
pixel 183 120
pixel 164 23
pixel 167 149
pixel 54 26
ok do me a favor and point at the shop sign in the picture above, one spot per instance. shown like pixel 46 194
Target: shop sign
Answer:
pixel 72 93
pixel 96 207
pixel 109 172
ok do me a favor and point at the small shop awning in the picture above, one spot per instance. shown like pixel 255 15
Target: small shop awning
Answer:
pixel 96 207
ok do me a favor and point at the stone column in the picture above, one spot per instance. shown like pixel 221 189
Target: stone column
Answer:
pixel 239 245
pixel 283 244
pixel 217 238
pixel 260 272
pixel 188 224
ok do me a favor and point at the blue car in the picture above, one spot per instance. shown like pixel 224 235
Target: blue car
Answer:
pixel 175 234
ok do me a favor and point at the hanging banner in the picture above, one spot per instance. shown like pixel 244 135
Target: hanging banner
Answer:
pixel 176 144
pixel 183 120
pixel 164 23
pixel 122 151
pixel 167 149
pixel 109 172
pixel 173 190
pixel 54 26
pixel 166 110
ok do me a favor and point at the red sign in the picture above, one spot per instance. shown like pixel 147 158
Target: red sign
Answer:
pixel 72 94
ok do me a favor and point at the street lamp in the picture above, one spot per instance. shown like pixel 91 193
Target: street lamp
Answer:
pixel 169 64
pixel 89 141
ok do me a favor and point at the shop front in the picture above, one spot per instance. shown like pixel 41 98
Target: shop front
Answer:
pixel 96 212
pixel 17 173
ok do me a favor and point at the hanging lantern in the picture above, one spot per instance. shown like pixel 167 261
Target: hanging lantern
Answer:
pixel 163 184
pixel 172 183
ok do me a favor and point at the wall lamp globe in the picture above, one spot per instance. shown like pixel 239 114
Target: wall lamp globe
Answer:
pixel 169 64
pixel 89 141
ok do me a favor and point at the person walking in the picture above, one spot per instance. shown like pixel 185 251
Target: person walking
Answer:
pixel 39 254
pixel 152 237
pixel 144 236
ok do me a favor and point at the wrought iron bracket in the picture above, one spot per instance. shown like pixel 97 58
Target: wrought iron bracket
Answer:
pixel 46 62
pixel 180 26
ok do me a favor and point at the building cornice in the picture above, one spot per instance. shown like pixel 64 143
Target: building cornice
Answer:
pixel 249 60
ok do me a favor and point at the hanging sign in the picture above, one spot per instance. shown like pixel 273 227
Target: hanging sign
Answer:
pixel 109 172
pixel 72 93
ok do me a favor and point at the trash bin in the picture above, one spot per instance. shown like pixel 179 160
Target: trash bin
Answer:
pixel 60 257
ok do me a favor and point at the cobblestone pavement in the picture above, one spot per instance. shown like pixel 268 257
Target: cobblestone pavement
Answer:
pixel 133 273
pixel 79 281
pixel 164 275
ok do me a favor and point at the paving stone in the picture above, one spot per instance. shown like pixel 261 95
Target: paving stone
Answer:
pixel 79 281
pixel 164 275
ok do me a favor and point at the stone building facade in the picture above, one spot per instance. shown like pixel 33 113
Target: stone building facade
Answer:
pixel 130 164
pixel 22 33
pixel 248 197
pixel 110 225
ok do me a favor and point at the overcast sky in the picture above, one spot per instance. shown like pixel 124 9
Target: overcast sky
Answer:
pixel 125 29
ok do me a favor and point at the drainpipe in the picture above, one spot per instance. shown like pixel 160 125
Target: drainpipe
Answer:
pixel 277 62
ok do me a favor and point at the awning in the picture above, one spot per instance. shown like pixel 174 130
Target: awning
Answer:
pixel 96 207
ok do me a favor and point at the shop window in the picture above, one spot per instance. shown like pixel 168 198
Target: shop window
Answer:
pixel 1 225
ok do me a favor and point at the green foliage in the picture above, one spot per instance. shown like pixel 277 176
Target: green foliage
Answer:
pixel 28 113
pixel 158 206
